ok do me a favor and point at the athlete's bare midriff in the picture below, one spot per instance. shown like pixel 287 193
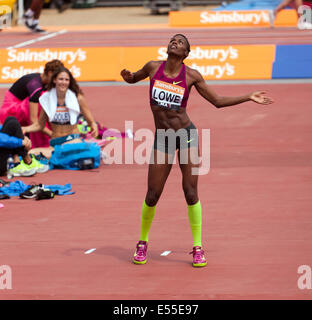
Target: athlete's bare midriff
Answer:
pixel 170 119
pixel 63 130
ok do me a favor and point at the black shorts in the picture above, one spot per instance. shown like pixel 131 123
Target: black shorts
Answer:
pixel 168 141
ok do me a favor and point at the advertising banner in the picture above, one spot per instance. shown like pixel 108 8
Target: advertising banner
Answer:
pixel 259 18
pixel 293 61
pixel 105 63
pixel 243 18
pixel 86 64
pixel 286 18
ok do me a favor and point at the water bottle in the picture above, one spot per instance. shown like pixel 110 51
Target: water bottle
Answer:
pixel 85 127
pixel 10 165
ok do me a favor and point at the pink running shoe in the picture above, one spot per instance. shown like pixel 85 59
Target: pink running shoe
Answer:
pixel 198 257
pixel 140 253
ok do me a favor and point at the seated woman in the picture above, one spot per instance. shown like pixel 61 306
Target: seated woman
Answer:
pixel 61 105
pixel 21 101
pixel 14 143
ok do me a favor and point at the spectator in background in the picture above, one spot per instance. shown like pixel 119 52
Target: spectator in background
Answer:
pixel 62 5
pixel 32 15
pixel 21 101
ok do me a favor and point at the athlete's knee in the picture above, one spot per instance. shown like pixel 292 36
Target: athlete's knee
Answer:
pixel 11 120
pixel 12 127
pixel 190 194
pixel 152 197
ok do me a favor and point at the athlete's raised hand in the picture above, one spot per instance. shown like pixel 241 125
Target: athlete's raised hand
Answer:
pixel 127 75
pixel 261 97
pixel 133 77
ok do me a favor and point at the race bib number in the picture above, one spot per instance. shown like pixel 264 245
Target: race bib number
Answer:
pixel 167 95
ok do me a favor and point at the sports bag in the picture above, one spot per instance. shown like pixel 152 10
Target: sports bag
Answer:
pixel 76 156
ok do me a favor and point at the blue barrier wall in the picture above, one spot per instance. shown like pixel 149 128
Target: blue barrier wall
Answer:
pixel 292 61
pixel 250 5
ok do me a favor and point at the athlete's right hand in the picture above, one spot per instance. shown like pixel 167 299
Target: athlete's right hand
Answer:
pixel 127 75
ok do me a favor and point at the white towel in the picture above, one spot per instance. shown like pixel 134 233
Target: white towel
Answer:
pixel 48 101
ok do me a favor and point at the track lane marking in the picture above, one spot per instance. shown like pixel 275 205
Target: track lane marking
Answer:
pixel 90 251
pixel 47 36
pixel 165 253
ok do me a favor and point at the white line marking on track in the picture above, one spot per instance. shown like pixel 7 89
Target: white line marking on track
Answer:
pixel 47 36
pixel 165 253
pixel 90 251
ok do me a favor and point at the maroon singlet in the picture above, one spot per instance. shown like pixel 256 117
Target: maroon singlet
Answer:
pixel 169 93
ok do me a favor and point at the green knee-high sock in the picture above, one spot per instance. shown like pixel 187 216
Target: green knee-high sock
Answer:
pixel 195 219
pixel 147 217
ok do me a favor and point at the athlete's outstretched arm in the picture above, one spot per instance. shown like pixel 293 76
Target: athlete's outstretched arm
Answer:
pixel 133 77
pixel 219 101
pixel 33 117
pixel 39 125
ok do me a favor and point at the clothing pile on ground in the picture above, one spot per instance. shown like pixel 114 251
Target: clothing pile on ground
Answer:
pixel 39 191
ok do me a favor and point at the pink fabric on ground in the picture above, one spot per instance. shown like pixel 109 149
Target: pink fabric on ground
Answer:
pixel 14 107
pixel 40 139
pixel 89 138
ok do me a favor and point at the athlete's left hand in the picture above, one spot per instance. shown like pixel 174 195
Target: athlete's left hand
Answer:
pixel 94 130
pixel 261 97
